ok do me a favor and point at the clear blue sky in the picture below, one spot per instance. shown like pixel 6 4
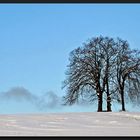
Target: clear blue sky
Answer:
pixel 36 39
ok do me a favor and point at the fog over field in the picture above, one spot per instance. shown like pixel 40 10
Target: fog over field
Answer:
pixel 21 100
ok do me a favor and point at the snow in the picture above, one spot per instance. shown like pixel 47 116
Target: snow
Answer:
pixel 71 124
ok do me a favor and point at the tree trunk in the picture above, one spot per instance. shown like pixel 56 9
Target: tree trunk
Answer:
pixel 122 98
pixel 109 104
pixel 107 86
pixel 100 102
pixel 108 99
pixel 122 95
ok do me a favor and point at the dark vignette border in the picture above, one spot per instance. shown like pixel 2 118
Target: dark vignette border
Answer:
pixel 69 1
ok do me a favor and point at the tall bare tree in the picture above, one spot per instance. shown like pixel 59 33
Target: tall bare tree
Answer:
pixel 89 71
pixel 127 71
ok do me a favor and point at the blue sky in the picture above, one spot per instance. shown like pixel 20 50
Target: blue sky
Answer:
pixel 36 39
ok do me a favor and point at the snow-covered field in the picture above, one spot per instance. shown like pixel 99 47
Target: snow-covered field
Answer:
pixel 71 124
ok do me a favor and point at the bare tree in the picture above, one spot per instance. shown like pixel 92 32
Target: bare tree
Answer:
pixel 89 71
pixel 127 71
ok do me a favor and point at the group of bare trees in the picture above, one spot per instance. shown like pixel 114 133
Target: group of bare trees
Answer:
pixel 103 67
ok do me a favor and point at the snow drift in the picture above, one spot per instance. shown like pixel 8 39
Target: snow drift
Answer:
pixel 71 124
